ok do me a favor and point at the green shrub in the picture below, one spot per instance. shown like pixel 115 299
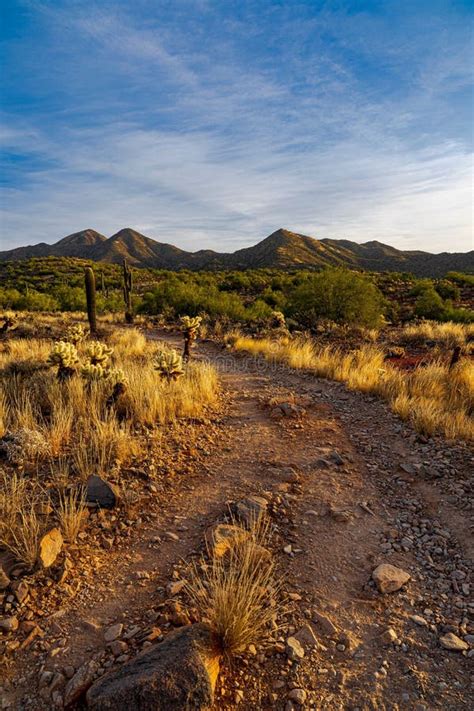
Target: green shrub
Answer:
pixel 448 290
pixel 429 304
pixel 339 295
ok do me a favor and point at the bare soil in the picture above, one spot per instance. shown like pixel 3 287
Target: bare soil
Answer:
pixel 349 486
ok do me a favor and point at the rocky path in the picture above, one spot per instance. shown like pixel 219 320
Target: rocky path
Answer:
pixel 349 487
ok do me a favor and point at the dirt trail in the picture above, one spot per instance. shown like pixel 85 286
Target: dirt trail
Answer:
pixel 349 487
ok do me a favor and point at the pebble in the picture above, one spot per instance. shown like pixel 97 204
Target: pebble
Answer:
pixel 294 649
pixel 298 695
pixel 8 624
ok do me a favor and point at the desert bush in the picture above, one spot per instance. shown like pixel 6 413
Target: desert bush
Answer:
pixel 429 304
pixel 340 295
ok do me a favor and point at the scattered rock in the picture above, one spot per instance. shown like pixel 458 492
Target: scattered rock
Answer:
pixel 419 620
pixel 79 683
pixel 100 492
pixel 176 674
pixel 50 547
pixel 4 579
pixel 326 625
pixel 8 624
pixel 389 578
pixel 306 637
pixel 336 458
pixel 389 636
pixel 298 695
pixel 223 537
pixel 175 587
pixel 117 647
pixel 249 510
pixel 294 649
pixel 113 632
pixel 20 590
pixel 453 642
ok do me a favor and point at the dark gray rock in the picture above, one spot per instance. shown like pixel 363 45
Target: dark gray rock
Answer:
pixel 177 675
pixel 100 492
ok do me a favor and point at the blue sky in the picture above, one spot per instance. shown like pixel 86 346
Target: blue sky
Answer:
pixel 211 123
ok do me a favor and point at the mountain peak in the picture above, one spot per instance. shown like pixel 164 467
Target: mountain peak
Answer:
pixel 282 249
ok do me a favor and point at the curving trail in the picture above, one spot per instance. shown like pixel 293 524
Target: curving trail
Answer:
pixel 350 486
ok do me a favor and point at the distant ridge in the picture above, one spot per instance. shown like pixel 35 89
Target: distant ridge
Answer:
pixel 280 250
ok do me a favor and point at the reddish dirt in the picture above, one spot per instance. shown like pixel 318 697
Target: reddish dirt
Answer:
pixel 339 515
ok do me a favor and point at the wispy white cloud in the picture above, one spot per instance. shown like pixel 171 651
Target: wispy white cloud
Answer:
pixel 207 143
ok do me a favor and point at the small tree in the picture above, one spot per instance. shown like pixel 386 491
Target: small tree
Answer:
pixel 429 304
pixel 340 295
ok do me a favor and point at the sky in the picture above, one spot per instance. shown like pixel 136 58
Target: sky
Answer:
pixel 212 123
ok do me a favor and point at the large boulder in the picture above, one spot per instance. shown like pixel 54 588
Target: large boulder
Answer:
pixel 177 675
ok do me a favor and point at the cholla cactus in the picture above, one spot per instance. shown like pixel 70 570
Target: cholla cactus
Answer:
pixel 190 323
pixel 169 364
pixel 75 334
pixel 64 355
pixel 92 372
pixel 189 326
pixel 98 353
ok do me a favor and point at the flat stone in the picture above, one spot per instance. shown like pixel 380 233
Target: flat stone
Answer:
pixel 20 590
pixel 453 642
pixel 175 587
pixel 306 636
pixel 113 632
pixel 294 649
pixel 389 578
pixel 325 624
pixel 50 547
pixel 419 620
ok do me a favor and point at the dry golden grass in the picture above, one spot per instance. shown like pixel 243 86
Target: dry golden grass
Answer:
pixel 20 526
pixel 70 513
pixel 449 334
pixel 433 398
pixel 129 343
pixel 69 429
pixel 236 594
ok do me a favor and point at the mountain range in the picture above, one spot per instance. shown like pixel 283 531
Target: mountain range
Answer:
pixel 281 250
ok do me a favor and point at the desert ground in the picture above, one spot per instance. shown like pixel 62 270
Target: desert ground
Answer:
pixel 345 486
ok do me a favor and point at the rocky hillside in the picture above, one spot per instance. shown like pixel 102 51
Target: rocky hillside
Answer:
pixel 281 250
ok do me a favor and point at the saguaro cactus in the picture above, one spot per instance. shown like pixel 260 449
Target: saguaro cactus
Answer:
pixel 127 291
pixel 190 328
pixel 90 295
